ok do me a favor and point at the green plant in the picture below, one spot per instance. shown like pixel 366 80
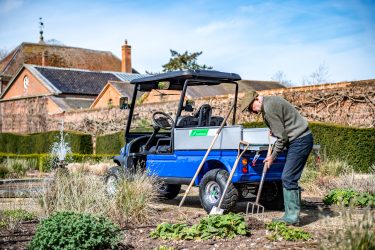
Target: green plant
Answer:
pixel 4 171
pixel 69 230
pixel 164 248
pixel 348 197
pixel 281 230
pixel 11 218
pixel 213 226
pixel 19 214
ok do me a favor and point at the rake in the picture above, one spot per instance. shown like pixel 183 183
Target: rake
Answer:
pixel 256 208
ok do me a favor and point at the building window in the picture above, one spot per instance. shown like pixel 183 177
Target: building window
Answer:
pixel 25 83
pixel 110 103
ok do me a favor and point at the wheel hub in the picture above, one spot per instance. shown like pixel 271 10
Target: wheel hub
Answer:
pixel 212 192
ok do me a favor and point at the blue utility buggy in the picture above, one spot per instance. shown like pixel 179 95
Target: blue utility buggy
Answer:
pixel 174 149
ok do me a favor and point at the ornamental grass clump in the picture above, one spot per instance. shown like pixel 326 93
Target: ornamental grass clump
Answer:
pixel 70 230
pixel 133 200
pixel 78 192
pixel 358 234
pixel 213 226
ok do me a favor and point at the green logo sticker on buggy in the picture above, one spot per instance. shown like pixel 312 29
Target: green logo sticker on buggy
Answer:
pixel 202 132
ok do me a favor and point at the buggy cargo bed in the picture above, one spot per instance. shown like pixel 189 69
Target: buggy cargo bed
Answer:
pixel 201 138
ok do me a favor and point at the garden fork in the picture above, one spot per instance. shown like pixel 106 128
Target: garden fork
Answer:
pixel 256 208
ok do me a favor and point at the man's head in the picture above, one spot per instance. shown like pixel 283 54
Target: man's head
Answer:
pixel 251 102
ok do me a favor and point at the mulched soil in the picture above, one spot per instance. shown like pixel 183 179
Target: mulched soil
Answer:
pixel 313 219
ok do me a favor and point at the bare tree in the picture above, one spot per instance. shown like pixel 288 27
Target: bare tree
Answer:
pixel 281 78
pixel 319 76
pixel 3 53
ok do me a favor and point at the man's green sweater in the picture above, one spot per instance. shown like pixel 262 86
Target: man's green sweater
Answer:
pixel 284 121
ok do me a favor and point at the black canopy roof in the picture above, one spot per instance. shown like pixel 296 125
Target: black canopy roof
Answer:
pixel 177 79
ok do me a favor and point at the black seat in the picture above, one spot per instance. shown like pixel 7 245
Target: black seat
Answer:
pixel 187 122
pixel 216 120
pixel 204 115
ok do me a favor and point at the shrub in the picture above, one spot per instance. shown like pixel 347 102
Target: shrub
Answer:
pixel 41 142
pixel 355 145
pixel 281 230
pixel 213 226
pixel 110 144
pixel 69 230
pixel 348 197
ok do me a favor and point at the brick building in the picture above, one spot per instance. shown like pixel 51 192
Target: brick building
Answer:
pixel 36 92
pixel 63 57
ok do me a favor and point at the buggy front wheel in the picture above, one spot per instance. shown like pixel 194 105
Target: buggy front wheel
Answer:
pixel 112 179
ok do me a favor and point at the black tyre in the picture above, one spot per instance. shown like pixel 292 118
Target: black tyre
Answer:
pixel 113 176
pixel 272 197
pixel 211 188
pixel 169 191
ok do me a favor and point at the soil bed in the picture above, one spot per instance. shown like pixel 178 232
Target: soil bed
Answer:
pixel 315 218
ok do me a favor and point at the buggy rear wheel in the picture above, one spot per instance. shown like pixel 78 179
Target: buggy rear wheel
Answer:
pixel 212 187
pixel 168 191
pixel 272 197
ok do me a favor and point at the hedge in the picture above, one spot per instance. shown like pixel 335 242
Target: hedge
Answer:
pixel 44 160
pixel 110 144
pixel 355 145
pixel 42 142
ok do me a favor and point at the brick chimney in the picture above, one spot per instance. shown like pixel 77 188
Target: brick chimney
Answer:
pixel 126 63
pixel 45 58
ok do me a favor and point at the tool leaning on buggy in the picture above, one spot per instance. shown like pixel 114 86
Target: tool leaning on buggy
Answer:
pixel 176 146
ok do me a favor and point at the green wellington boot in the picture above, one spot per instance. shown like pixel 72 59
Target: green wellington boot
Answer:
pixel 292 204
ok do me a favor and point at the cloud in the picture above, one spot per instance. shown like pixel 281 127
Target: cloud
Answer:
pixel 9 5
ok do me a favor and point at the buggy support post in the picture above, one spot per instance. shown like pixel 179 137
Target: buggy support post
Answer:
pixel 206 155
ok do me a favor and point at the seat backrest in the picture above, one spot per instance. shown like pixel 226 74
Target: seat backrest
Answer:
pixel 204 115
pixel 216 120
pixel 187 121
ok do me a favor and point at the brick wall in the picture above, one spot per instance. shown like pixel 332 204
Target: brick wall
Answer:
pixel 351 104
pixel 24 115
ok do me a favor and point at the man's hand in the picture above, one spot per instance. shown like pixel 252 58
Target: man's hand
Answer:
pixel 268 161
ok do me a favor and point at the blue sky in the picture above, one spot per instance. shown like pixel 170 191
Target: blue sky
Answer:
pixel 255 39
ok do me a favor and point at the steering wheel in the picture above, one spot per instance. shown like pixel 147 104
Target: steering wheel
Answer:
pixel 162 120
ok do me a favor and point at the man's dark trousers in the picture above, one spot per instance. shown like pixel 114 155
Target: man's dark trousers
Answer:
pixel 298 152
